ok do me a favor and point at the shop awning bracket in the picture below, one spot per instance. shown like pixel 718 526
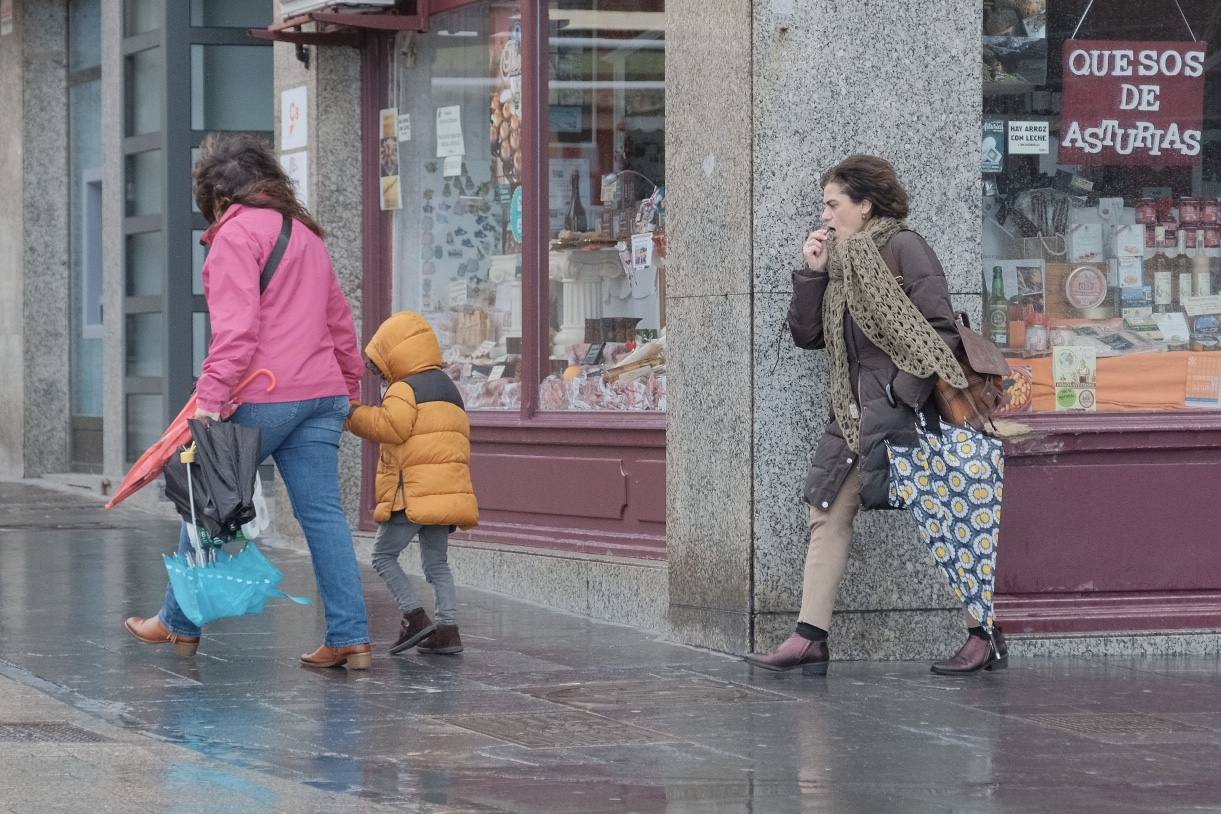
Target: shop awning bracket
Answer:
pixel 337 28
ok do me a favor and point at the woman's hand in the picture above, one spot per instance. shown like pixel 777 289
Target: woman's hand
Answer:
pixel 815 250
pixel 206 415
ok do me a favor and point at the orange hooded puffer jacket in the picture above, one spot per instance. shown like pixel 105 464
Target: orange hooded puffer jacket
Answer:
pixel 424 461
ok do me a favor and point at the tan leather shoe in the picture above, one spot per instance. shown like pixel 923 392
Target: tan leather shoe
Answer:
pixel 356 657
pixel 152 631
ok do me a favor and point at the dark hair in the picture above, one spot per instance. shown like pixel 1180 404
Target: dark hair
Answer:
pixel 867 177
pixel 241 168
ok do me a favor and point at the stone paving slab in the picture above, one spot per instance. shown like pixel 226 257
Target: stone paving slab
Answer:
pixel 545 713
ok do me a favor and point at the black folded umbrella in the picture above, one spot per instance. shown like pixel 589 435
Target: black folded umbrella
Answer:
pixel 221 480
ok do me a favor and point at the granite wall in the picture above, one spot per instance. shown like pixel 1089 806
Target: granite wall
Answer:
pixel 334 198
pixel 12 246
pixel 34 241
pixel 113 248
pixel 809 84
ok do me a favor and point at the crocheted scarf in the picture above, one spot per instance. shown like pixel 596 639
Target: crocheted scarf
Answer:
pixel 862 283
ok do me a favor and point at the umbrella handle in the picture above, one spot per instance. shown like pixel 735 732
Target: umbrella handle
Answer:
pixel 187 456
pixel 254 375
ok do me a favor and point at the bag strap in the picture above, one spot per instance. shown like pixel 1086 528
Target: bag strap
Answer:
pixel 277 254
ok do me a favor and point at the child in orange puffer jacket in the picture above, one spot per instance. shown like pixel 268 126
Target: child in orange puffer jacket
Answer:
pixel 423 474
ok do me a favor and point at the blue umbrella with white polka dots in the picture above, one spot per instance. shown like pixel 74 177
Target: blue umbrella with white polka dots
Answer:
pixel 952 482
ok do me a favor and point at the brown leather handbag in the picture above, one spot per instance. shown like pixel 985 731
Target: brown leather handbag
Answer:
pixel 988 379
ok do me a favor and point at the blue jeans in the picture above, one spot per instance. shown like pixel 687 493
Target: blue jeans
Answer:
pixel 303 438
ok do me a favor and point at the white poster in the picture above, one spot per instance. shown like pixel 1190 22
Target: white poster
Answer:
pixel 449 131
pixel 6 17
pixel 1029 138
pixel 452 167
pixel 294 118
pixel 404 127
pixel 296 165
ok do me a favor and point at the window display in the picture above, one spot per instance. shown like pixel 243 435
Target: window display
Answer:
pixel 1101 149
pixel 606 209
pixel 454 165
pixel 456 187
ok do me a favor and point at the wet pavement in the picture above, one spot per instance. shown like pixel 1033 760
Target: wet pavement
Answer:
pixel 548 713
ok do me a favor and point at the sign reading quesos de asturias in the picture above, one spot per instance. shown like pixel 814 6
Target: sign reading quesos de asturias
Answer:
pixel 1132 102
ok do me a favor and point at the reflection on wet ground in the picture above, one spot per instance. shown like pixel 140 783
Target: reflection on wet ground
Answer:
pixel 547 712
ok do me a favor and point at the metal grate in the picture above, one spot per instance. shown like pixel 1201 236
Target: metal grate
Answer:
pixel 47 732
pixel 1111 724
pixel 551 729
pixel 648 692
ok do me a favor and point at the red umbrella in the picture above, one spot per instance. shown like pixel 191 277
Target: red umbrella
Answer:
pixel 148 468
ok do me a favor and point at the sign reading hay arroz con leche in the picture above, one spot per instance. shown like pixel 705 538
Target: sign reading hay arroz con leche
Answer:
pixel 1132 103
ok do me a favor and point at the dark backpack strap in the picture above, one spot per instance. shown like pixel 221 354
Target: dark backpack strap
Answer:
pixel 273 262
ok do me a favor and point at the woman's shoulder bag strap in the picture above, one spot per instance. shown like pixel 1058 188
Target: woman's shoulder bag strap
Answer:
pixel 277 254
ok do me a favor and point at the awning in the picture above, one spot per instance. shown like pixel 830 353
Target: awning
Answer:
pixel 341 27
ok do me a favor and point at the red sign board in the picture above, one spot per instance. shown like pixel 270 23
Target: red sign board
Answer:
pixel 1132 103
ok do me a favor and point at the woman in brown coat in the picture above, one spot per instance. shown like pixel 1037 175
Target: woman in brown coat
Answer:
pixel 875 297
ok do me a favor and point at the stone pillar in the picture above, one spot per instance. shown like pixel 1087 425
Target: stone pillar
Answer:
pixel 12 246
pixel 114 273
pixel 794 91
pixel 34 241
pixel 333 83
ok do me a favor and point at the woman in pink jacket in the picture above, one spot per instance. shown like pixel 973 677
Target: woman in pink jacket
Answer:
pixel 301 329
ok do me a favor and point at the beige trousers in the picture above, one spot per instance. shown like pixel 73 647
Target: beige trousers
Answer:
pixel 827 556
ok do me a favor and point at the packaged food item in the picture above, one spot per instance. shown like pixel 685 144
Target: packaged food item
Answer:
pixel 1146 211
pixel 1189 210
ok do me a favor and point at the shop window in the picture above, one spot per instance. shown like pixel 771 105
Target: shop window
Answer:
pixel 1102 202
pixel 458 238
pixel 454 165
pixel 605 209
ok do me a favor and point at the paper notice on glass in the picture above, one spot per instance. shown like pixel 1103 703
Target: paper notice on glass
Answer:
pixel 296 166
pixel 642 250
pixel 449 131
pixel 388 158
pixel 1204 380
pixel 1029 138
pixel 453 166
pixel 1075 377
pixel 404 127
pixel 294 118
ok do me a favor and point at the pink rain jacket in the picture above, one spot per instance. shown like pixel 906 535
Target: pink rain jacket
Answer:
pixel 300 329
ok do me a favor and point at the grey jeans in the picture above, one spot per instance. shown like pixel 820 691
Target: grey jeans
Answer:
pixel 395 535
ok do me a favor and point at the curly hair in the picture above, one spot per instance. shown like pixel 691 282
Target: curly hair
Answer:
pixel 867 177
pixel 241 168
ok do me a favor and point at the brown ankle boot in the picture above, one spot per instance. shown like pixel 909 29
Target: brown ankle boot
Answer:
pixel 976 653
pixel 152 631
pixel 444 641
pixel 795 651
pixel 356 657
pixel 416 625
